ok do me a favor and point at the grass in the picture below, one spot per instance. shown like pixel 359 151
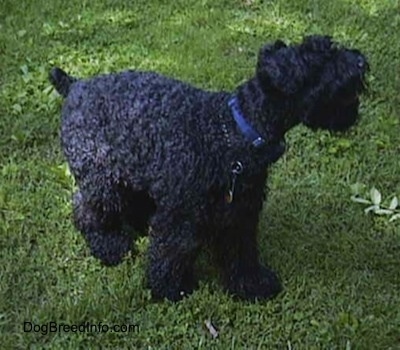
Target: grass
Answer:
pixel 340 267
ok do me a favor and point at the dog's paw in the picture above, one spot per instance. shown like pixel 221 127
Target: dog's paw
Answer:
pixel 172 290
pixel 262 285
pixel 109 248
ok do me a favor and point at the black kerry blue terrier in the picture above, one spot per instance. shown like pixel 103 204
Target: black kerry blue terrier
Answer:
pixel 151 151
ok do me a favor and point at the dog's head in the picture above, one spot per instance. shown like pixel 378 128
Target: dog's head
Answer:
pixel 321 79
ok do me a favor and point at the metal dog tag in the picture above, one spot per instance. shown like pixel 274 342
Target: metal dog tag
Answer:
pixel 236 169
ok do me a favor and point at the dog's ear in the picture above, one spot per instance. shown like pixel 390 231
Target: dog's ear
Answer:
pixel 269 49
pixel 277 68
pixel 318 43
pixel 286 68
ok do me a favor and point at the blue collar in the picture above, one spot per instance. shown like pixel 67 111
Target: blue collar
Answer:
pixel 249 133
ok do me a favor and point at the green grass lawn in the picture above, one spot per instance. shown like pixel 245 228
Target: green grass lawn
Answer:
pixel 340 267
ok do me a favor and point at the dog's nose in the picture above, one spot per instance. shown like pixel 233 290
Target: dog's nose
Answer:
pixel 361 62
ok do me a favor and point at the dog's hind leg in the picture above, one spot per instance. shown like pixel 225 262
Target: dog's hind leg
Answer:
pixel 138 206
pixel 102 229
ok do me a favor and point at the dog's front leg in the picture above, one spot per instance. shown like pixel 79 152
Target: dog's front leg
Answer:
pixel 236 246
pixel 173 250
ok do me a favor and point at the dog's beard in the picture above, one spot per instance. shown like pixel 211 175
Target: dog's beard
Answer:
pixel 340 111
pixel 348 101
pixel 338 116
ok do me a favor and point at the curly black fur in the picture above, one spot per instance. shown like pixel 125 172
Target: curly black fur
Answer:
pixel 150 150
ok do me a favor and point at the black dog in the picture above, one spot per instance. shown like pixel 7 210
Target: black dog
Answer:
pixel 149 150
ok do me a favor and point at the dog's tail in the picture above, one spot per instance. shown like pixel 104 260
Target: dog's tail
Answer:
pixel 61 81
